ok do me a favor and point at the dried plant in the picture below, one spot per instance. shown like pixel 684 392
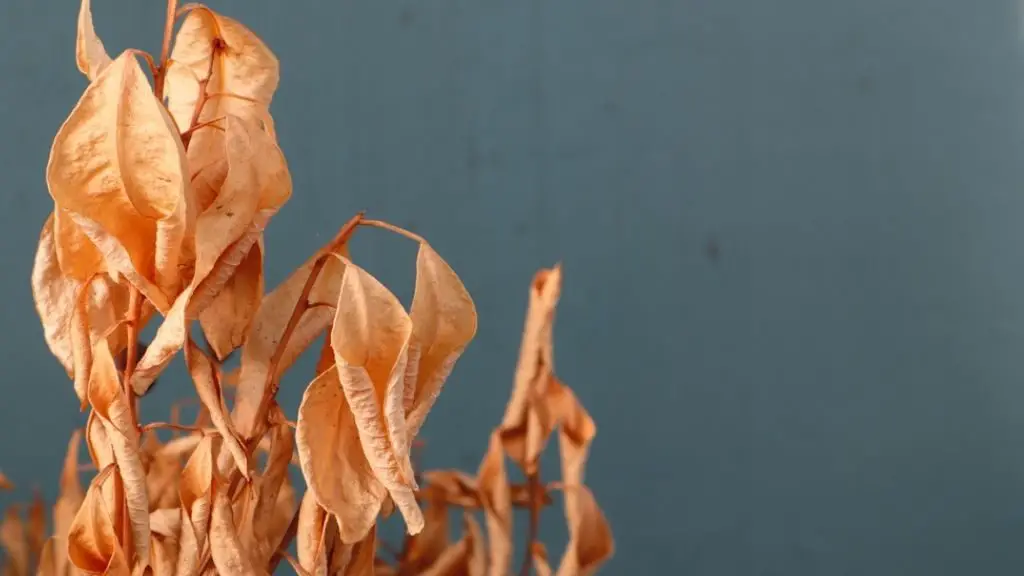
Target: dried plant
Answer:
pixel 162 188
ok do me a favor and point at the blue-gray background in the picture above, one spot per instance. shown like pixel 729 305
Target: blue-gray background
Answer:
pixel 790 230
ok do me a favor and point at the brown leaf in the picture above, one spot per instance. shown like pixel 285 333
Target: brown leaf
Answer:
pixel 243 67
pixel 227 319
pixel 268 328
pixel 47 559
pixel 111 406
pixel 68 502
pixel 496 501
pixel 309 537
pixel 575 433
pixel 336 470
pixel 528 423
pixel 476 555
pixel 370 337
pixel 275 472
pixel 423 549
pixel 257 184
pixel 361 556
pixel 13 539
pixel 455 486
pixel 204 375
pixel 60 299
pixel 227 552
pixel 35 531
pixel 93 544
pixel 590 537
pixel 90 54
pixel 5 484
pixel 163 555
pixel 540 559
pixel 443 323
pixel 196 489
pixel 118 168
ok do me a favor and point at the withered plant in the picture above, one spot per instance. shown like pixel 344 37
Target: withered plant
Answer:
pixel 163 184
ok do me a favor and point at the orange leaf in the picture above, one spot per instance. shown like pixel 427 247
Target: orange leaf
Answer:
pixel 90 54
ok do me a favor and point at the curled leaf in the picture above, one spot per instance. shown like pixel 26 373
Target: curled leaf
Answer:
pixel 111 406
pixel 93 544
pixel 590 537
pixel 204 375
pixel 443 322
pixel 227 552
pixel 90 54
pixel 117 167
pixel 337 472
pixel 496 501
pixel 528 422
pixel 370 338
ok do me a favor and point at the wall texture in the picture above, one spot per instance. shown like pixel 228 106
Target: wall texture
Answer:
pixel 793 297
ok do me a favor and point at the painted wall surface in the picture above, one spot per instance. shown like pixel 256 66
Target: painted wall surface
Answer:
pixel 790 230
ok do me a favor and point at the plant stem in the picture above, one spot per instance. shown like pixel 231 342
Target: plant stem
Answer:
pixel 534 487
pixel 132 358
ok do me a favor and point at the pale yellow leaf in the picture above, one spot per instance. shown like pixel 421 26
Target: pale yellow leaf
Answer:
pixel 90 54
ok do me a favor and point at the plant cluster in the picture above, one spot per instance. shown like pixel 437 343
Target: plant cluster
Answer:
pixel 163 184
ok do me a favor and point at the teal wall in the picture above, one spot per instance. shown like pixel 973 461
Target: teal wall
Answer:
pixel 791 230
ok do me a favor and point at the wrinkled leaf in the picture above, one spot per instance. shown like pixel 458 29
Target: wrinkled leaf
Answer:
pixel 370 337
pixel 93 544
pixel 227 552
pixel 207 382
pixel 117 167
pixel 227 319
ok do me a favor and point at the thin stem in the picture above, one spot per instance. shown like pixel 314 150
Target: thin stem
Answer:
pixel 534 485
pixel 153 68
pixel 173 426
pixel 165 49
pixel 132 357
pixel 392 228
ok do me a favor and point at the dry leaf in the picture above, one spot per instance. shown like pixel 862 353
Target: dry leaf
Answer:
pixel 590 537
pixel 456 487
pixel 227 552
pixel 361 556
pixel 196 489
pixel 496 501
pixel 118 168
pixel 370 337
pixel 111 406
pixel 93 544
pixel 5 484
pixel 312 551
pixel 257 184
pixel 227 319
pixel 575 433
pixel 13 539
pixel 422 550
pixel 268 328
pixel 444 321
pixel 282 446
pixel 336 470
pixel 90 54
pixel 35 531
pixel 540 559
pixel 528 423
pixel 204 375
pixel 47 560
pixel 68 502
